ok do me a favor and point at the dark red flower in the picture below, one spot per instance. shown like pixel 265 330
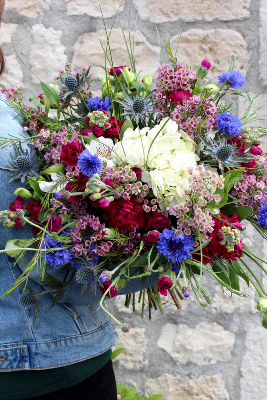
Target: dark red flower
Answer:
pixel 117 70
pixel 70 153
pixel 138 172
pixel 114 130
pixel 120 214
pixel 105 285
pixel 164 283
pixel 97 131
pixel 256 151
pixel 34 207
pixel 206 64
pixel 17 204
pixel 77 186
pixel 85 132
pixel 178 96
pixel 153 236
pixel 18 223
pixel 55 223
pixel 87 120
pixel 157 221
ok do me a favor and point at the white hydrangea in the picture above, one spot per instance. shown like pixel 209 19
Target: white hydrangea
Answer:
pixel 163 157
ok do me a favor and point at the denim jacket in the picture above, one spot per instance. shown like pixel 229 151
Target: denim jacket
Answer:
pixel 73 330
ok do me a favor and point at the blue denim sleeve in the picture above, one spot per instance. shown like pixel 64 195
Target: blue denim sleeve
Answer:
pixel 11 126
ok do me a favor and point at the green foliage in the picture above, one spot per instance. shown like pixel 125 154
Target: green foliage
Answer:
pixel 35 186
pixel 55 287
pixel 50 93
pixel 264 320
pixel 127 393
pixel 117 352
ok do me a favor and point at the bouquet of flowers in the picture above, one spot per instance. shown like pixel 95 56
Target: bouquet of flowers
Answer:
pixel 138 182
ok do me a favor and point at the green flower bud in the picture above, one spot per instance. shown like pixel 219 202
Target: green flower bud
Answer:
pixel 211 88
pixel 119 95
pixel 130 75
pixel 23 193
pixel 109 233
pixel 53 169
pixel 47 103
pixel 147 79
pixel 262 304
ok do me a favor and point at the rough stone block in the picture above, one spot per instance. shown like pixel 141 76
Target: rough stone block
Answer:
pixel 253 384
pixel 7 31
pixel 263 41
pixel 88 50
pixel 47 53
pixel 215 45
pixel 13 74
pixel 80 7
pixel 29 8
pixel 194 388
pixel 224 10
pixel 205 344
pixel 135 344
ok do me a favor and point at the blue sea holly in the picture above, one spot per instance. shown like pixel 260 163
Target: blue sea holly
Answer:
pixel 228 123
pixel 234 78
pixel 87 275
pixel 89 163
pixel 226 155
pixel 137 106
pixel 175 248
pixel 23 163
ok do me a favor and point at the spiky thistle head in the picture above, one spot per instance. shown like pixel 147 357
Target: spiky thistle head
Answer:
pixel 224 154
pixel 23 163
pixel 87 275
pixel 71 83
pixel 137 105
pixel 27 299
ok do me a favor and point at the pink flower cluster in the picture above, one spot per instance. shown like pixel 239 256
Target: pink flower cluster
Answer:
pixel 253 190
pixel 171 79
pixel 192 215
pixel 195 112
pixel 11 92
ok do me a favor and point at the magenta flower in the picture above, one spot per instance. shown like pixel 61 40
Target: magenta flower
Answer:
pixel 206 64
pixel 164 283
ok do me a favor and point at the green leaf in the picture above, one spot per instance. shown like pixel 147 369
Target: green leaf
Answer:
pixel 117 352
pixel 143 280
pixel 42 216
pixel 50 93
pixel 24 243
pixel 156 397
pixel 90 137
pixel 264 320
pixel 242 211
pixel 36 99
pixel 119 388
pixel 127 124
pixel 239 271
pixel 138 397
pixel 230 178
pixel 121 284
pixel 234 278
pixel 130 394
pixel 221 274
pixel 35 186
pixel 65 218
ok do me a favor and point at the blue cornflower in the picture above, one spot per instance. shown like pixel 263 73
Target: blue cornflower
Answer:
pixel 58 195
pixel 99 103
pixel 228 123
pixel 56 257
pixel 175 248
pixel 234 77
pixel 89 163
pixel 262 215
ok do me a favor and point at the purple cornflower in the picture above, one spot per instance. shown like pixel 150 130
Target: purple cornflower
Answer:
pixel 99 103
pixel 228 123
pixel 175 248
pixel 89 163
pixel 235 78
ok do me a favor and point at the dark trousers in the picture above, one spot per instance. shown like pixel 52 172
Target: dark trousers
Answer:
pixel 100 386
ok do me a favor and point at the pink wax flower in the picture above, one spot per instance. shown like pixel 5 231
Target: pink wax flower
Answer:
pixel 206 64
pixel 164 283
pixel 153 236
pixel 257 151
pixel 178 96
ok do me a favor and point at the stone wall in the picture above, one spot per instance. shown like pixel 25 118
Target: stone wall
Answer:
pixel 217 353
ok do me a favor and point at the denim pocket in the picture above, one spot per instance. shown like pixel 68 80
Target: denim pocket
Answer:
pixel 14 357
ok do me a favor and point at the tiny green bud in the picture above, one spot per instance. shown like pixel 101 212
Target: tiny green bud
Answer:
pixel 109 233
pixel 53 169
pixel 23 193
pixel 119 95
pixel 262 304
pixel 211 88
pixel 147 79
